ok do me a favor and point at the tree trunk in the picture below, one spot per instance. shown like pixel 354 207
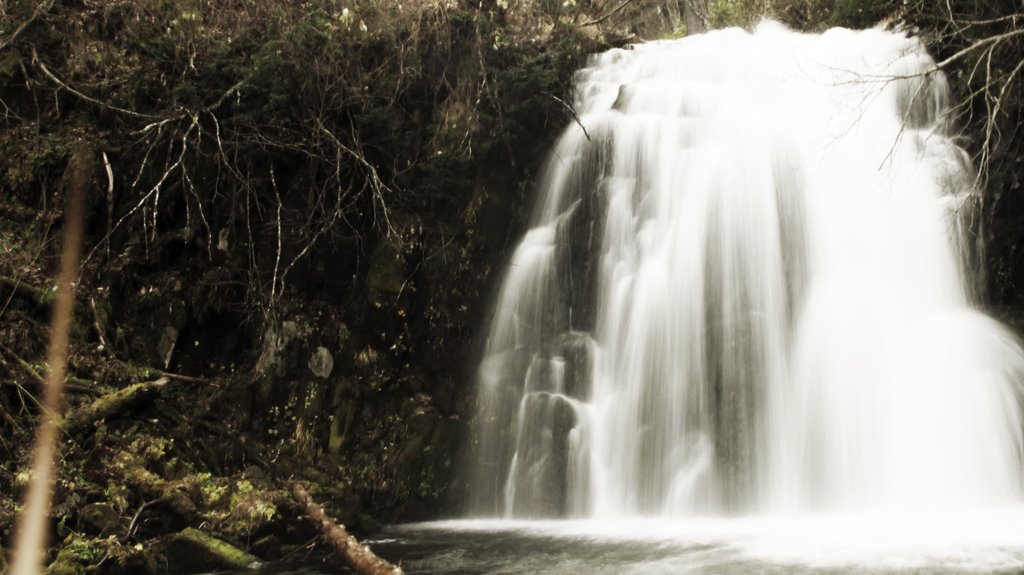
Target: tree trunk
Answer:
pixel 358 557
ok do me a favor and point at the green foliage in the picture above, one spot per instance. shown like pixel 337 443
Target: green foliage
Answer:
pixel 268 94
pixel 445 179
pixel 524 96
pixel 26 162
pixel 86 551
pixel 860 14
pixel 742 13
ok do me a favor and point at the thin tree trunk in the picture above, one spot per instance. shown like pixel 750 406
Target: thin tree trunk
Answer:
pixel 698 20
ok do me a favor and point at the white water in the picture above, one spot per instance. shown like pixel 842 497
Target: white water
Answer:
pixel 745 292
pixel 893 543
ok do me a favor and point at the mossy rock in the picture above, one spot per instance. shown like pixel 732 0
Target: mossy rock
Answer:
pixel 66 564
pixel 269 548
pixel 99 519
pixel 69 559
pixel 193 551
pixel 253 514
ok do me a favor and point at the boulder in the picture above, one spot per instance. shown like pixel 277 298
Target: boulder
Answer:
pixel 268 548
pixel 274 344
pixel 322 362
pixel 65 564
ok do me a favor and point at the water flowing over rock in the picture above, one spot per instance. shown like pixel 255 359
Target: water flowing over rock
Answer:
pixel 745 291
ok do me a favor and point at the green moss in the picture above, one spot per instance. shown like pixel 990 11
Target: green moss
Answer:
pixel 74 556
pixel 250 510
pixel 84 420
pixel 64 565
pixel 41 297
pixel 194 550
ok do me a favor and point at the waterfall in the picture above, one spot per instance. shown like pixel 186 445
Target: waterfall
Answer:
pixel 746 289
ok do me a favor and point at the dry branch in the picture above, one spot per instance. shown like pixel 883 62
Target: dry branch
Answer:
pixel 356 556
pixel 573 112
pixel 181 377
pixel 39 63
pixel 606 16
pixel 43 8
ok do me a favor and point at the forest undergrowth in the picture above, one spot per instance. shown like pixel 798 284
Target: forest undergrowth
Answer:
pixel 297 211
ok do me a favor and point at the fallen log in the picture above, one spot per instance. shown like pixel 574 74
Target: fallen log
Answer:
pixel 356 556
pixel 151 485
pixel 84 420
pixel 71 387
pixel 40 297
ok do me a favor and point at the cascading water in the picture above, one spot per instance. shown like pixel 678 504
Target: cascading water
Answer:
pixel 746 290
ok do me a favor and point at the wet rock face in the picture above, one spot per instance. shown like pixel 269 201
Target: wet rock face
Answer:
pixel 274 344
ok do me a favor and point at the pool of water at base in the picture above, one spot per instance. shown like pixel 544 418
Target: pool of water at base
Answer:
pixel 919 544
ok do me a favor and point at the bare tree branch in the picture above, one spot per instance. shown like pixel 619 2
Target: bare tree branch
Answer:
pixel 43 8
pixel 39 63
pixel 606 16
